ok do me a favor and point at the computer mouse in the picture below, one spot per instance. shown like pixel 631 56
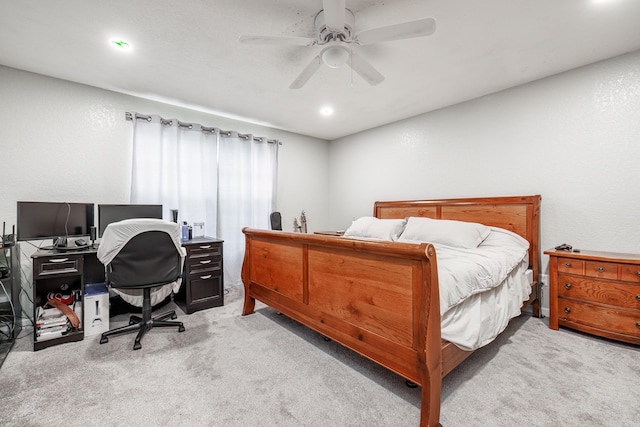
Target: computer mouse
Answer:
pixel 80 242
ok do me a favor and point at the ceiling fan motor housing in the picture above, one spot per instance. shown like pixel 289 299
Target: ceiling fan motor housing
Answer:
pixel 326 35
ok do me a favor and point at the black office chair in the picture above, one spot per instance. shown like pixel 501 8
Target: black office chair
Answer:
pixel 142 254
pixel 276 221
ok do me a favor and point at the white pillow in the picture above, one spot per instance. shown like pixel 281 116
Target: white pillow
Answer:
pixel 375 228
pixel 459 234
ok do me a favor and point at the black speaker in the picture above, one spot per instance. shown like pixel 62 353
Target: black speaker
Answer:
pixel 276 221
pixel 92 233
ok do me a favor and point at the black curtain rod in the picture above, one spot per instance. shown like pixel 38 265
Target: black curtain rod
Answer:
pixel 168 122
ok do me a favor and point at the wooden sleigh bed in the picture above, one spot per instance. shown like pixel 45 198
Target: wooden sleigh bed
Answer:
pixel 380 299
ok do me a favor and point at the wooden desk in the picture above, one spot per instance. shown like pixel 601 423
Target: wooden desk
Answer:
pixel 67 272
pixel 63 273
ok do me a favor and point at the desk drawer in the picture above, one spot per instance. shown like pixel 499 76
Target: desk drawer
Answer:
pixel 204 249
pixel 205 266
pixel 57 265
pixel 205 287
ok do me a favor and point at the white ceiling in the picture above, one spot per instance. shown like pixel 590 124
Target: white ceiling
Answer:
pixel 187 53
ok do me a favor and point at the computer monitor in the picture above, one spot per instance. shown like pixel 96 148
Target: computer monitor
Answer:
pixel 50 220
pixel 113 213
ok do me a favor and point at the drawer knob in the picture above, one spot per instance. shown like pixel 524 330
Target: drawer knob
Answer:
pixel 638 297
pixel 205 247
pixel 206 277
pixel 567 285
pixel 600 269
pixel 568 310
pixel 59 259
pixel 567 264
pixel 638 273
pixel 638 324
pixel 205 261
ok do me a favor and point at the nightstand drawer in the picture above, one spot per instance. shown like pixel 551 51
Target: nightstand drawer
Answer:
pixel 570 265
pixel 609 319
pixel 599 291
pixel 630 273
pixel 601 269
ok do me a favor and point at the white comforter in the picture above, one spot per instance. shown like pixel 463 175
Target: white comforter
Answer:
pixel 466 272
pixel 481 289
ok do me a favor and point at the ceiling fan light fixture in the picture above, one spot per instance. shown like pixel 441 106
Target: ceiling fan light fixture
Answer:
pixel 335 56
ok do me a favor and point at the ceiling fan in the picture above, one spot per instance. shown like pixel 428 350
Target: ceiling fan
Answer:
pixel 334 30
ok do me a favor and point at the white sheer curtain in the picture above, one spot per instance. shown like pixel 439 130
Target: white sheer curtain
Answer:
pixel 175 166
pixel 246 194
pixel 222 178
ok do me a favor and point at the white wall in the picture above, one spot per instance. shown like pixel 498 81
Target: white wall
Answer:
pixel 62 141
pixel 573 138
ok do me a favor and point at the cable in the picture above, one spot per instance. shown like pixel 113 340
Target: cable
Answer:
pixel 13 310
pixel 6 263
pixel 27 295
pixel 66 222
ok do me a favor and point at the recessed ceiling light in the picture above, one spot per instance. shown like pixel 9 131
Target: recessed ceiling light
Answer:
pixel 120 44
pixel 326 111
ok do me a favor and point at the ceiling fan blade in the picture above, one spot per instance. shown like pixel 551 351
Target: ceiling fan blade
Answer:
pixel 279 40
pixel 334 14
pixel 306 74
pixel 407 30
pixel 364 69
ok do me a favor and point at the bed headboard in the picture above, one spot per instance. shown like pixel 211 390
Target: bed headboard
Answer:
pixel 519 214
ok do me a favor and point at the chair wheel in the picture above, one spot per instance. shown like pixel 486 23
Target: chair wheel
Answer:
pixel 131 322
pixel 104 340
pixel 174 316
pixel 181 328
pixel 137 346
pixel 411 384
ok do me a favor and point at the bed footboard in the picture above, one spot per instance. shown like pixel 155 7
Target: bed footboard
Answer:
pixel 379 299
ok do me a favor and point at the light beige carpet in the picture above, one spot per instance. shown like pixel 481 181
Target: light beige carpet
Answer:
pixel 267 370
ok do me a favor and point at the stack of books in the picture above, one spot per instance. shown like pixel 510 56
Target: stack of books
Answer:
pixel 50 323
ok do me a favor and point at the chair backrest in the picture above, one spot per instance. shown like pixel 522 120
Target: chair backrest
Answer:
pixel 141 255
pixel 276 221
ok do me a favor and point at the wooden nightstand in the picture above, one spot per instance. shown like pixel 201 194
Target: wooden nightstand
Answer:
pixel 595 292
